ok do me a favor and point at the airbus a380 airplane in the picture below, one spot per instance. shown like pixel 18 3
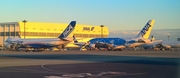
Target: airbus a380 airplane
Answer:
pixel 162 45
pixel 37 43
pixel 121 43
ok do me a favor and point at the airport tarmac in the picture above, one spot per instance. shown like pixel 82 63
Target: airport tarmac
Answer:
pixel 90 64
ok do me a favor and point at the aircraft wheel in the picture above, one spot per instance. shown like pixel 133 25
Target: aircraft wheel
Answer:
pixel 120 49
pixel 162 49
pixel 109 49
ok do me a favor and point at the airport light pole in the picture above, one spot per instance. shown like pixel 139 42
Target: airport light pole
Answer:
pixel 102 30
pixel 24 21
pixel 168 37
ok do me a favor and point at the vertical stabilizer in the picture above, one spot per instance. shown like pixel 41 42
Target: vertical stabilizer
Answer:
pixel 68 30
pixel 75 40
pixel 146 31
pixel 152 38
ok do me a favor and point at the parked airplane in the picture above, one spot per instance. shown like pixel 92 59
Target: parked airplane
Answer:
pixel 151 45
pixel 166 45
pixel 37 43
pixel 98 43
pixel 162 45
pixel 115 44
pixel 121 43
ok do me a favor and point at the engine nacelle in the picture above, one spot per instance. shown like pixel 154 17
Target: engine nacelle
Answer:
pixel 163 46
pixel 9 46
pixel 119 47
pixel 167 47
pixel 92 46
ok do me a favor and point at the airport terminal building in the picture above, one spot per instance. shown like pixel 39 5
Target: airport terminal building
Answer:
pixel 49 30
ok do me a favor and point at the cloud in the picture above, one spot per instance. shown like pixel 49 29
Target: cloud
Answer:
pixel 124 32
pixel 161 33
pixel 135 32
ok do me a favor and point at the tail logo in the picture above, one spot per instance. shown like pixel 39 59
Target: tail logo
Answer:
pixel 69 29
pixel 145 29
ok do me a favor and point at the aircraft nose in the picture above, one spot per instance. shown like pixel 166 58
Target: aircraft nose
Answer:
pixel 6 44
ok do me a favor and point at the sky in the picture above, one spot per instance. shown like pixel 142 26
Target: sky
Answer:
pixel 159 34
pixel 116 14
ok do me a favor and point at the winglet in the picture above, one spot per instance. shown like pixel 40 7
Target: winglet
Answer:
pixel 68 29
pixel 145 32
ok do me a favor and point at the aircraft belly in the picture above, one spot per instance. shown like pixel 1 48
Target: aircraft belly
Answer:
pixel 44 44
pixel 55 43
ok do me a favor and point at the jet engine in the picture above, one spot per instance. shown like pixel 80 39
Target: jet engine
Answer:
pixel 92 46
pixel 12 46
pixel 9 46
pixel 61 47
pixel 119 48
pixel 166 47
pixel 163 46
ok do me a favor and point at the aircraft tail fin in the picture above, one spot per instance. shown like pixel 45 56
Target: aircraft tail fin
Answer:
pixel 146 31
pixel 75 40
pixel 68 30
pixel 152 38
pixel 82 45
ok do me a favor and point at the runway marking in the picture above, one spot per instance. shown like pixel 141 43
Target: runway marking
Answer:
pixel 102 74
pixel 51 70
pixel 42 66
pixel 131 74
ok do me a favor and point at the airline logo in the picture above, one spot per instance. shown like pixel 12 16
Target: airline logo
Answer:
pixel 88 28
pixel 92 28
pixel 68 30
pixel 145 29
